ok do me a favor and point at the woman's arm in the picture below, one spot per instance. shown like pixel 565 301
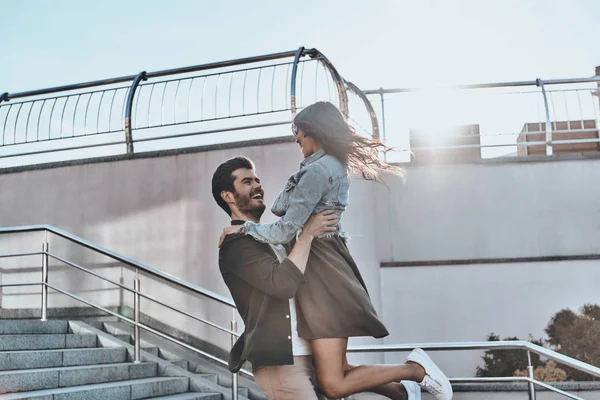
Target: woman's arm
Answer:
pixel 313 183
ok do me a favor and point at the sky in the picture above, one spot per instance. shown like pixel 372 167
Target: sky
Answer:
pixel 380 43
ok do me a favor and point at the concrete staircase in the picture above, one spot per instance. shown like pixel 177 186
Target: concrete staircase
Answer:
pixel 182 358
pixel 60 360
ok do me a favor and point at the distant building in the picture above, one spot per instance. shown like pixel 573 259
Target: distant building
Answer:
pixel 430 145
pixel 561 130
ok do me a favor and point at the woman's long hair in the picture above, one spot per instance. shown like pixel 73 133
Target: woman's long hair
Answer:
pixel 327 126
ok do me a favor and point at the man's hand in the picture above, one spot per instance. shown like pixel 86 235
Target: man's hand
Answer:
pixel 320 223
pixel 228 231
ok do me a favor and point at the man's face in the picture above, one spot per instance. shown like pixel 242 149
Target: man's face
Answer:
pixel 249 194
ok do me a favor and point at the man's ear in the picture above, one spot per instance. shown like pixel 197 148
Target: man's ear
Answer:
pixel 227 197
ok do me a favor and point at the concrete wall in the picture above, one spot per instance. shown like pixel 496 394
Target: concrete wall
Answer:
pixel 466 303
pixel 160 212
pixel 493 210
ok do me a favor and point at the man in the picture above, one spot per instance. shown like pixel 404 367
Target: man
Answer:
pixel 263 282
pixel 263 287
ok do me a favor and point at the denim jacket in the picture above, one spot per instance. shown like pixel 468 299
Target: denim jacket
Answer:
pixel 322 183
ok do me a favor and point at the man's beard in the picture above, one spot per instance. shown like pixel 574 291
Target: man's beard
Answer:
pixel 244 205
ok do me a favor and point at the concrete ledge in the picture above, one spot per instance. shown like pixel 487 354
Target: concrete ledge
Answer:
pixel 475 261
pixel 523 387
pixel 150 154
pixel 286 139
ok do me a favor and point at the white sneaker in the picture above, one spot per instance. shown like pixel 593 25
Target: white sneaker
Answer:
pixel 435 382
pixel 412 389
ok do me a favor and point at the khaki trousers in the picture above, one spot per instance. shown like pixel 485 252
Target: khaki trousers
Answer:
pixel 289 382
pixel 296 382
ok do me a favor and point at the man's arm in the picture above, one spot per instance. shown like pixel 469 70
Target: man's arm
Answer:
pixel 316 225
pixel 247 259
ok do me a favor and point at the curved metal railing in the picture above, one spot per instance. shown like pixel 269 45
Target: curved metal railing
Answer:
pixel 177 105
pixel 46 255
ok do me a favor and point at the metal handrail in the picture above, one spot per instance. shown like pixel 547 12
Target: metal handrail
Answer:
pixel 125 260
pixel 137 292
pixel 485 85
pixel 156 74
pixel 497 345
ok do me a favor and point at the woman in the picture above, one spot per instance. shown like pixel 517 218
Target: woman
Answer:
pixel 334 304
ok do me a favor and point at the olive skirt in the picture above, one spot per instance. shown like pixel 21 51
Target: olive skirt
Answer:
pixel 334 303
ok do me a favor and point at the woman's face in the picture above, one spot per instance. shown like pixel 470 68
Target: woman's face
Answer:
pixel 307 144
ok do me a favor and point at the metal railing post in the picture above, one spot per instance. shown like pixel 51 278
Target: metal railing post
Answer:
pixel 382 113
pixel 531 376
pixel 128 110
pixel 383 120
pixel 299 53
pixel 549 152
pixel 136 317
pixel 234 376
pixel 44 281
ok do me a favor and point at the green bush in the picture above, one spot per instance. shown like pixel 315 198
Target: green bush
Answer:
pixel 506 362
pixel 576 335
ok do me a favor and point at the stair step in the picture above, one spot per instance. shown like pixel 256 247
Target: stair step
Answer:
pixel 124 337
pixel 19 327
pixel 11 360
pixel 46 341
pixel 122 330
pixel 50 378
pixel 211 377
pixel 152 350
pixel 95 323
pixel 242 391
pixel 124 390
pixel 185 364
pixel 190 396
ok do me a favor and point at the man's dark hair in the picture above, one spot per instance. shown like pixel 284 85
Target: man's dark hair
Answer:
pixel 223 179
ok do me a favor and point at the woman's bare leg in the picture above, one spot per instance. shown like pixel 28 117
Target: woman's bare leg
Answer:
pixel 335 381
pixel 394 390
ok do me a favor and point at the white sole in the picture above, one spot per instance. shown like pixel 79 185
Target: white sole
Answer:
pixel 412 389
pixel 420 357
